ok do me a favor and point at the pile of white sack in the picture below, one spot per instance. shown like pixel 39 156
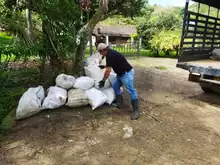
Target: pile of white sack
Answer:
pixel 215 54
pixel 70 91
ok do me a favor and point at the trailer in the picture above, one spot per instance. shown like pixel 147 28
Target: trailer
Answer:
pixel 200 36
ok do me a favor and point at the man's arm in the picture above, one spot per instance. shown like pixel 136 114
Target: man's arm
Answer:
pixel 107 73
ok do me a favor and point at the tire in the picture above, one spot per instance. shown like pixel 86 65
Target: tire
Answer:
pixel 206 89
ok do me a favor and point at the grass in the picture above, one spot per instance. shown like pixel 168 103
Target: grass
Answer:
pixel 161 67
pixel 5 39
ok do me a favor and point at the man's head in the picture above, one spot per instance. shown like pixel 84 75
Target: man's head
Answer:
pixel 102 49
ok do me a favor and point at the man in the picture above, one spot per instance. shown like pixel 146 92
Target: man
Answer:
pixel 125 77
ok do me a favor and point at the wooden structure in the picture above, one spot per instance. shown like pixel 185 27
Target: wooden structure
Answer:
pixel 117 34
pixel 200 36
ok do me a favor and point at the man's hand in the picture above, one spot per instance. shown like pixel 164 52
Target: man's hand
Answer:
pixel 102 66
pixel 101 83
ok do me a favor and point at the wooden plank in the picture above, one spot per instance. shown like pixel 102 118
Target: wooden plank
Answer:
pixel 201 37
pixel 194 77
pixel 190 43
pixel 202 21
pixel 215 29
pixel 190 57
pixel 206 27
pixel 200 32
pixel 202 27
pixel 206 63
pixel 202 15
pixel 197 50
pixel 192 67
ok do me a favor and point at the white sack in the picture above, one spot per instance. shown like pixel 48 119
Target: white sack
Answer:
pixel 30 102
pixel 110 93
pixel 96 98
pixel 97 75
pixel 84 83
pixel 215 54
pixel 65 81
pixel 56 98
pixel 77 98
pixel 94 59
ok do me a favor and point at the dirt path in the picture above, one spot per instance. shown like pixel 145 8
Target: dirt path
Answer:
pixel 179 125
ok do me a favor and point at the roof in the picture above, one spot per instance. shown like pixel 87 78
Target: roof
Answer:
pixel 213 3
pixel 115 30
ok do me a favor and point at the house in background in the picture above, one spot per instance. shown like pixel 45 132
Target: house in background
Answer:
pixel 113 34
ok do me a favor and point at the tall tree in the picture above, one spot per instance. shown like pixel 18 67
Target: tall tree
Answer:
pixel 62 26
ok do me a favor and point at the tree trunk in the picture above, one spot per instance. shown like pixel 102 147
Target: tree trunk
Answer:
pixel 167 53
pixel 29 24
pixel 42 70
pixel 55 62
pixel 90 44
pixel 84 34
pixel 157 53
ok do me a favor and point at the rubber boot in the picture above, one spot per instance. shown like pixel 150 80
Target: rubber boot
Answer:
pixel 136 111
pixel 118 102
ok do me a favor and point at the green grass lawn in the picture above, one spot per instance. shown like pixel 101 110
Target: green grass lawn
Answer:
pixel 5 39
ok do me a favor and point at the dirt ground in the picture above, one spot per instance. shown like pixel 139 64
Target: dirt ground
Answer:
pixel 179 125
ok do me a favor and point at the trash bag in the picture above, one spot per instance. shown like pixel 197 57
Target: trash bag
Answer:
pixel 30 102
pixel 110 93
pixel 84 83
pixel 56 98
pixel 96 97
pixel 215 54
pixel 77 98
pixel 65 81
pixel 97 75
pixel 94 59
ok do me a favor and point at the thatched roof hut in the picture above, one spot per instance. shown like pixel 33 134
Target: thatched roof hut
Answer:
pixel 115 30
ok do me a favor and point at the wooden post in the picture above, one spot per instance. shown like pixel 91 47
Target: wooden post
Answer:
pixel 107 40
pixel 184 24
pixel 90 44
pixel 139 46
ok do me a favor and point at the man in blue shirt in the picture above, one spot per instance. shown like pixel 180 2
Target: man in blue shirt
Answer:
pixel 125 77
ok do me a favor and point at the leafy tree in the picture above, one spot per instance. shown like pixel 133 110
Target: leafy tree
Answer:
pixel 160 19
pixel 62 24
pixel 166 41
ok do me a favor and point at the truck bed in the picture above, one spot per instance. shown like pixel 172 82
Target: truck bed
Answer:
pixel 206 63
pixel 206 67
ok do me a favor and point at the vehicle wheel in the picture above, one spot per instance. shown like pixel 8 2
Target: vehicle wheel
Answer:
pixel 206 89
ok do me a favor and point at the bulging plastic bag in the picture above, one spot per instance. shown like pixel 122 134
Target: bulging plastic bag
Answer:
pixel 97 75
pixel 77 98
pixel 110 93
pixel 96 98
pixel 84 83
pixel 30 102
pixel 215 54
pixel 56 98
pixel 94 59
pixel 65 81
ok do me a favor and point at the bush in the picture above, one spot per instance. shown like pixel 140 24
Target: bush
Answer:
pixel 166 41
pixel 12 85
